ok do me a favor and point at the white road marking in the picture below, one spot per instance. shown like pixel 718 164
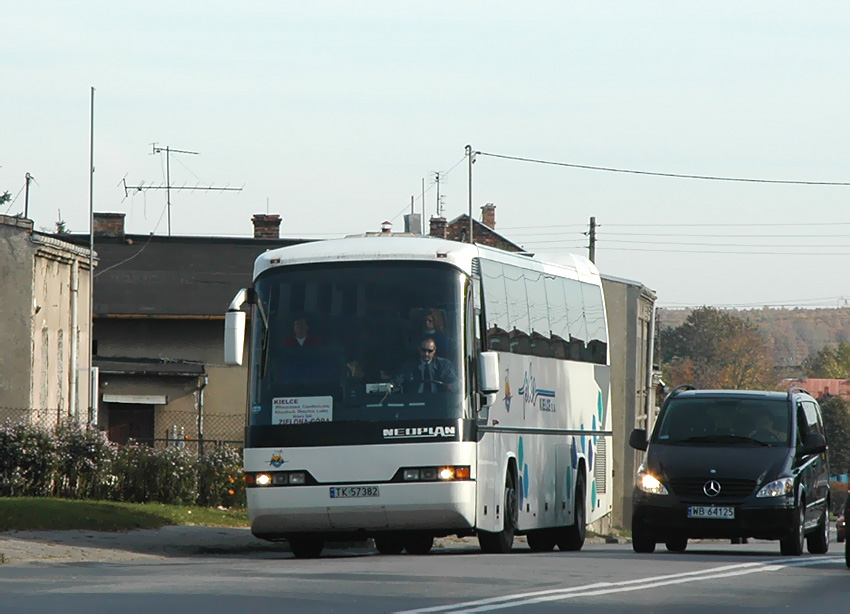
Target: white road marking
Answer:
pixel 607 588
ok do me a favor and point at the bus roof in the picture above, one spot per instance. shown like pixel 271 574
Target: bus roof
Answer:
pixel 420 249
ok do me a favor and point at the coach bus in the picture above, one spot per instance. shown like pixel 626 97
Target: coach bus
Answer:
pixel 407 388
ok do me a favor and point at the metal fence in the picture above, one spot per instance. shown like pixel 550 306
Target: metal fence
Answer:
pixel 170 428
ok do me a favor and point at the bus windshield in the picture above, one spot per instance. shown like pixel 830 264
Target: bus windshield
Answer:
pixel 361 341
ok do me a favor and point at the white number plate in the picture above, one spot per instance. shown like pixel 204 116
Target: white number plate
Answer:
pixel 707 511
pixel 338 492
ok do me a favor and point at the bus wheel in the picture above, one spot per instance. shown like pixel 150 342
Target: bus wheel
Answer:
pixel 503 541
pixel 572 538
pixel 418 543
pixel 306 547
pixel 541 541
pixel 389 543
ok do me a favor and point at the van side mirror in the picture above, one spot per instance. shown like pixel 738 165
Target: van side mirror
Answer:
pixel 488 372
pixel 637 439
pixel 815 443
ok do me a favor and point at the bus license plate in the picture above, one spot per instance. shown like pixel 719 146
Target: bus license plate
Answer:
pixel 338 492
pixel 707 511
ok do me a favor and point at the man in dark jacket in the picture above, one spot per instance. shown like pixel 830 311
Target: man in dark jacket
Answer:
pixel 430 373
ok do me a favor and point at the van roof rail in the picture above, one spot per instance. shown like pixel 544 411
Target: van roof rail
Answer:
pixel 679 389
pixel 794 389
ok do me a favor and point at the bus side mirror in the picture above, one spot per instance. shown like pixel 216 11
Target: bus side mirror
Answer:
pixel 488 372
pixel 234 337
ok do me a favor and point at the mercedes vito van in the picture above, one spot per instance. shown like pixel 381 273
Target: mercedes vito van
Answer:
pixel 733 464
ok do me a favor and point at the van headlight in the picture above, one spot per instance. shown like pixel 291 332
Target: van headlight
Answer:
pixel 649 483
pixel 778 488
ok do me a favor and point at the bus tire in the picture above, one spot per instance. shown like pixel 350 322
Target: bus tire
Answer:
pixel 503 541
pixel 306 547
pixel 543 540
pixel 418 543
pixel 389 543
pixel 572 538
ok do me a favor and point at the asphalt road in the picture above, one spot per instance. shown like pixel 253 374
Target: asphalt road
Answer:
pixel 456 577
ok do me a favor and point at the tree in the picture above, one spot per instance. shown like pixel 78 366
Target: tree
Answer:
pixel 4 198
pixel 829 362
pixel 836 423
pixel 715 349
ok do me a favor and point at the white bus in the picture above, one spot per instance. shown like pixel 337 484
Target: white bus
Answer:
pixel 350 436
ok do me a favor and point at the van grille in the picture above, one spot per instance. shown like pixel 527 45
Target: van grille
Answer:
pixel 729 487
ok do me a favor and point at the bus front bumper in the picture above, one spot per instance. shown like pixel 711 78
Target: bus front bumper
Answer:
pixel 438 507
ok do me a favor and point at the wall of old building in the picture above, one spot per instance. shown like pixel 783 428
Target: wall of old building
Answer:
pixel 629 306
pixel 45 332
pixel 16 266
pixel 161 338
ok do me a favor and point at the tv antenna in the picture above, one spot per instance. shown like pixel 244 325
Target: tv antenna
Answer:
pixel 168 187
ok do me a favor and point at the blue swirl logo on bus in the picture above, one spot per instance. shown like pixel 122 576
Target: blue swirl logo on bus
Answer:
pixel 544 399
pixel 276 460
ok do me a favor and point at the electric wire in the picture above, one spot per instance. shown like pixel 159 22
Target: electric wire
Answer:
pixel 659 174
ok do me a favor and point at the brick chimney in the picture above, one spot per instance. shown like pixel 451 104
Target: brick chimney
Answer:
pixel 488 215
pixel 266 226
pixel 438 227
pixel 109 225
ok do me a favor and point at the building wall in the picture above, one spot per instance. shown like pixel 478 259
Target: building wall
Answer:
pixel 160 338
pixel 16 267
pixel 629 307
pixel 39 380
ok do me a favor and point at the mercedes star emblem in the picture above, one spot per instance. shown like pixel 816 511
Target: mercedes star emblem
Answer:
pixel 711 488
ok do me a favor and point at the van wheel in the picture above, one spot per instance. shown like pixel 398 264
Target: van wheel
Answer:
pixel 792 545
pixel 677 544
pixel 306 547
pixel 541 541
pixel 503 541
pixel 818 541
pixel 389 543
pixel 572 538
pixel 643 542
pixel 847 552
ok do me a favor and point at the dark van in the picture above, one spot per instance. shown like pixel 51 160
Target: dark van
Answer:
pixel 733 464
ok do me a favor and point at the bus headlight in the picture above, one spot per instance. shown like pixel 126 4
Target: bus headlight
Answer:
pixel 449 473
pixel 262 479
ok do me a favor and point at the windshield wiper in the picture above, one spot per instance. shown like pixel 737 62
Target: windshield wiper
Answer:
pixel 721 439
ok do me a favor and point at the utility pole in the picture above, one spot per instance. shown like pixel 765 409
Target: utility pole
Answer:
pixel 437 177
pixel 29 178
pixel 591 247
pixel 471 159
pixel 167 187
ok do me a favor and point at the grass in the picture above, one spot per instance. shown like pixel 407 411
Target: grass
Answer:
pixel 49 514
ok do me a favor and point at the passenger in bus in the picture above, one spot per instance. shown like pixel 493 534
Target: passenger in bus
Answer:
pixel 301 336
pixel 430 373
pixel 434 327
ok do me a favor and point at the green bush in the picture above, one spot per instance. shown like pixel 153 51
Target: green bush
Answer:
pixel 221 482
pixel 77 463
pixel 86 461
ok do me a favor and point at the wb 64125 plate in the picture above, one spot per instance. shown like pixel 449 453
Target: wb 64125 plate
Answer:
pixel 338 492
pixel 710 511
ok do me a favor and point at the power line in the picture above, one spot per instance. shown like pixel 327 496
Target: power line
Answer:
pixel 659 174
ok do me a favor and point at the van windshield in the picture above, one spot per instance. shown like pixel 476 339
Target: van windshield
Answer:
pixel 761 422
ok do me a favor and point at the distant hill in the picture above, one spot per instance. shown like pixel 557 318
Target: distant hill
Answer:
pixel 792 334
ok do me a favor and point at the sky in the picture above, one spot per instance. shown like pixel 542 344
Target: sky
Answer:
pixel 335 114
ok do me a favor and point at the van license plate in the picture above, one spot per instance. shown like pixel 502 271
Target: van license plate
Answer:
pixel 708 511
pixel 338 492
